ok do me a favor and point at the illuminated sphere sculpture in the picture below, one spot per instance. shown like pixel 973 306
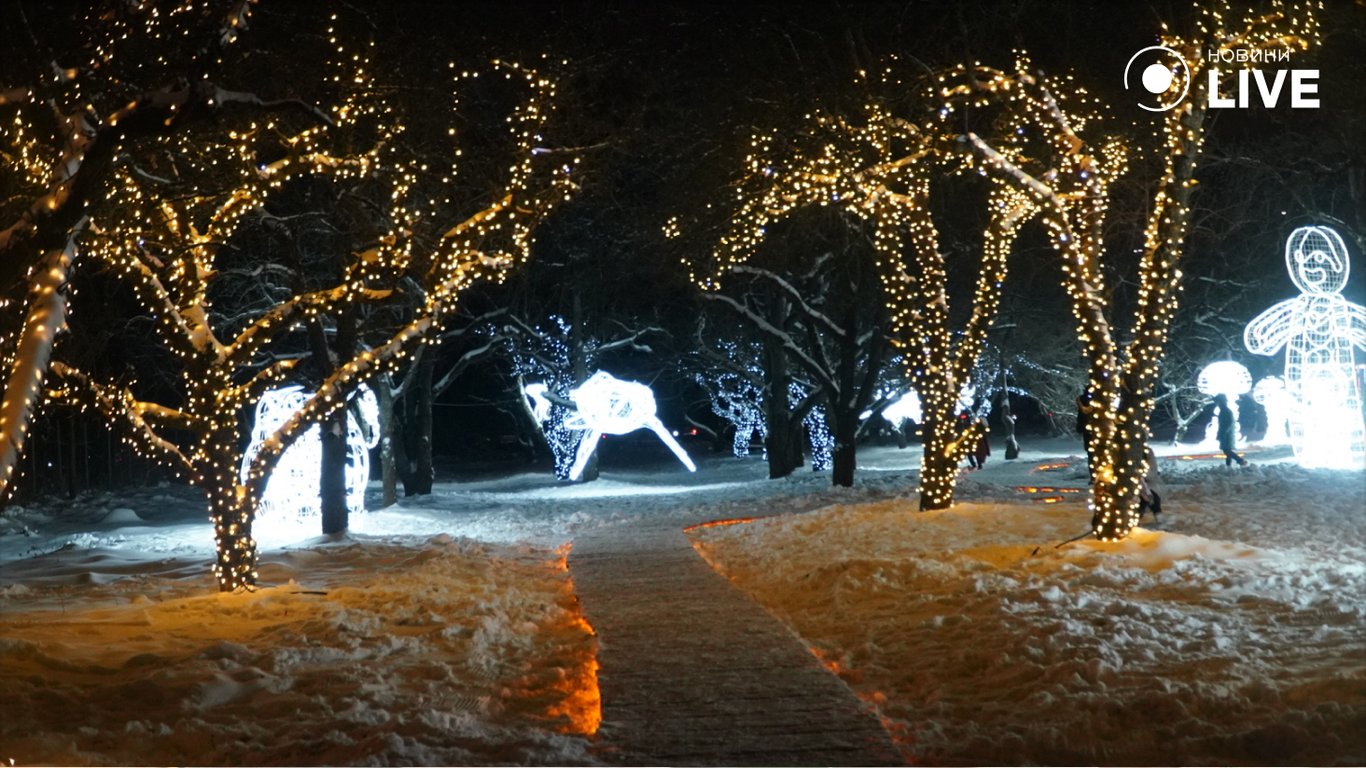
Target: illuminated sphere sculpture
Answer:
pixel 1319 330
pixel 292 494
pixel 607 405
pixel 1227 378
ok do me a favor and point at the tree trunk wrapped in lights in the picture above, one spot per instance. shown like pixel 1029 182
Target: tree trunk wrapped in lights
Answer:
pixel 1046 157
pixel 169 256
pixel 880 170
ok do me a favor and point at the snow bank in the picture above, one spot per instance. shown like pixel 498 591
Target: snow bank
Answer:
pixel 1235 635
pixel 435 651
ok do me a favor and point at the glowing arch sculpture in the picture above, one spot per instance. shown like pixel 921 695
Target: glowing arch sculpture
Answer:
pixel 1319 330
pixel 607 405
pixel 292 495
pixel 1226 378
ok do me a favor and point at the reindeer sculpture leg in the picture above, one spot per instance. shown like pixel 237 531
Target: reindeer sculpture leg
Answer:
pixel 587 445
pixel 659 429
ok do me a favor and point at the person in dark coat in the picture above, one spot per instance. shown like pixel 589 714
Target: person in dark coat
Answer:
pixel 977 457
pixel 1228 432
pixel 1148 497
pixel 1085 407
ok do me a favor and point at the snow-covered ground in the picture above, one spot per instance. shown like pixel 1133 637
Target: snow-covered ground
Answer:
pixel 439 631
pixel 444 630
pixel 408 646
pixel 1233 633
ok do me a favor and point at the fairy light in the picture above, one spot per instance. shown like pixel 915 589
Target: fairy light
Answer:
pixel 1046 155
pixel 737 394
pixel 58 133
pixel 166 249
pixel 818 435
pixel 878 168
pixel 1319 330
pixel 544 354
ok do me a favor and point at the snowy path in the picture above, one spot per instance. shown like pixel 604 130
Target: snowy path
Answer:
pixel 695 673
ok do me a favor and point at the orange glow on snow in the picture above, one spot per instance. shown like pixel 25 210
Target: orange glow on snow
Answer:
pixel 581 707
pixel 721 523
pixel 1051 467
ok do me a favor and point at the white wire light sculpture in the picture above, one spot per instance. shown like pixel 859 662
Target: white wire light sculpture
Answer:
pixel 607 405
pixel 904 408
pixel 1319 330
pixel 292 493
pixel 1271 395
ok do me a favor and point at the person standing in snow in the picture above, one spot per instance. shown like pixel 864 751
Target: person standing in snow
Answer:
pixel 1148 497
pixel 1228 432
pixel 977 457
pixel 1085 406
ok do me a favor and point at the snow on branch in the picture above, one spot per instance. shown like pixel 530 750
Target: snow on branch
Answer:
pixel 45 315
pixel 796 296
pixel 810 364
pixel 138 417
pixel 289 314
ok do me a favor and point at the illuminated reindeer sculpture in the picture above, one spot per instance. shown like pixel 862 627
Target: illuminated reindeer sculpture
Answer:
pixel 606 405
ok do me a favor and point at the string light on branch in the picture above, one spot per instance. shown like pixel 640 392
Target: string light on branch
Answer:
pixel 1049 154
pixel 434 240
pixel 879 168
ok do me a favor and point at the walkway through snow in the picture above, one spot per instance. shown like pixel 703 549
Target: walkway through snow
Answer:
pixel 693 672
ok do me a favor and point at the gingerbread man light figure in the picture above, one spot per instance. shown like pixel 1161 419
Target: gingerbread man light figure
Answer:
pixel 609 406
pixel 1319 330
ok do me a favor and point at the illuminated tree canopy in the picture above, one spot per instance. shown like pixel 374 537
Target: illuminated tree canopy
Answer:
pixel 136 71
pixel 880 168
pixel 1069 176
pixel 432 239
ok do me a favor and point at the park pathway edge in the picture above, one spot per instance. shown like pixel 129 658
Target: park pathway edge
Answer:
pixel 693 672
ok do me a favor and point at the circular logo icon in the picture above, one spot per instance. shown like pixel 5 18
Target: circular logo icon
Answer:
pixel 1154 73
